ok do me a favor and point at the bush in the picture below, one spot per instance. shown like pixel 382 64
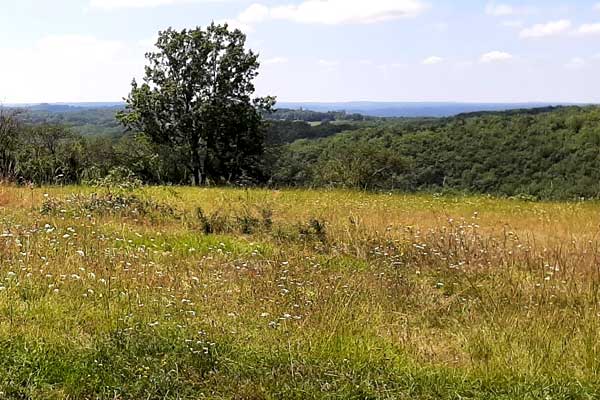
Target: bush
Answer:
pixel 95 204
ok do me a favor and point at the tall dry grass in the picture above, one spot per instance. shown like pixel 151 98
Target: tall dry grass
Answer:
pixel 296 294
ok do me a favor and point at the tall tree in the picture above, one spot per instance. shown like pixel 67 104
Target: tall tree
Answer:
pixel 197 97
pixel 10 131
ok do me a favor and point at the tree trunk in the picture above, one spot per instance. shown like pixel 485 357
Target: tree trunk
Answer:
pixel 196 170
pixel 196 164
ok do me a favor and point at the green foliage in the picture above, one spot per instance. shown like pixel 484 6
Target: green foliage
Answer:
pixel 283 132
pixel 117 178
pixel 81 120
pixel 9 130
pixel 246 221
pixel 549 154
pixel 105 204
pixel 38 154
pixel 49 153
pixel 366 165
pixel 196 96
pixel 315 227
pixel 124 364
pixel 284 114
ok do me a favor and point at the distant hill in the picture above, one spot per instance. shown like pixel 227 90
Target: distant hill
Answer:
pixel 65 107
pixel 544 153
pixel 408 109
pixel 367 108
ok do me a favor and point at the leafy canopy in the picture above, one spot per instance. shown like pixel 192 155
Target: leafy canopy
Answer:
pixel 197 97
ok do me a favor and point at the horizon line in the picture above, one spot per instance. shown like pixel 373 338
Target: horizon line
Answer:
pixel 545 102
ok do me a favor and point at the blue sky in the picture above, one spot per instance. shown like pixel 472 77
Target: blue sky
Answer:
pixel 316 50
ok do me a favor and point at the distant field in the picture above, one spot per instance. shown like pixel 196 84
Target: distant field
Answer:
pixel 184 293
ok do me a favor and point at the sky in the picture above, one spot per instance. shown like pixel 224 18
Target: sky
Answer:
pixel 316 50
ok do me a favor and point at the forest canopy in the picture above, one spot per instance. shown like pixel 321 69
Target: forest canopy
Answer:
pixel 549 153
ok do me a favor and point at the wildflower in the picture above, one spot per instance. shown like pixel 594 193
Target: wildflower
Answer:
pixel 81 253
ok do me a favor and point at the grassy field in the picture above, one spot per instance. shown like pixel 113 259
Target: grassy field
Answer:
pixel 183 293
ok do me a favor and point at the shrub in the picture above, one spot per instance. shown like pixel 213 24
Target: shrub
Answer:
pixel 109 204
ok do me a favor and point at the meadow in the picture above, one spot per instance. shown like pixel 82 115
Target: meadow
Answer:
pixel 188 293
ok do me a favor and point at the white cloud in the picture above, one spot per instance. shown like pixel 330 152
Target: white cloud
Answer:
pixel 275 60
pixel 76 68
pixel 551 28
pixel 432 60
pixel 254 14
pixel 495 56
pixel 576 63
pixel 597 6
pixel 588 29
pixel 499 10
pixel 495 9
pixel 116 4
pixel 335 12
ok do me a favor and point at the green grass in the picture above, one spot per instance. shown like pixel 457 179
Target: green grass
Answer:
pixel 296 294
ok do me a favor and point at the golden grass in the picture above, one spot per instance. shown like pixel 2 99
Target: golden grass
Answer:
pixel 467 296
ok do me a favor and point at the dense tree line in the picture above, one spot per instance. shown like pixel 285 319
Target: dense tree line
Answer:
pixel 46 151
pixel 554 153
pixel 53 154
pixel 282 132
pixel 81 120
pixel 550 154
pixel 285 114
